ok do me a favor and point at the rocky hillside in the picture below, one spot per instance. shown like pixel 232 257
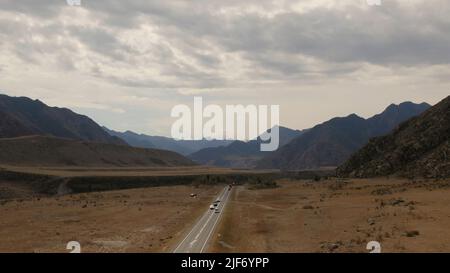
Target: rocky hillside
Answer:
pixel 331 143
pixel 419 147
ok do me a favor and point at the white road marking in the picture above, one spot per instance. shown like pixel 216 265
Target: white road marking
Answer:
pixel 217 220
pixel 192 230
pixel 211 214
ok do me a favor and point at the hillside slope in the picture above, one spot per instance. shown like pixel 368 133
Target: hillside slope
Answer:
pixel 51 151
pixel 331 143
pixel 419 147
pixel 21 116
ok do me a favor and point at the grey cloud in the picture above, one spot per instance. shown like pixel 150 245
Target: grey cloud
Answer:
pixel 272 46
pixel 389 34
pixel 208 60
pixel 384 36
pixel 40 8
pixel 100 41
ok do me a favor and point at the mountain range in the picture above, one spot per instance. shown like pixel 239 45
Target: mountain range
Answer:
pixel 184 147
pixel 34 134
pixel 331 143
pixel 240 154
pixel 418 147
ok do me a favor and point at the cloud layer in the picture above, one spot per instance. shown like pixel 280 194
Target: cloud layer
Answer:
pixel 127 63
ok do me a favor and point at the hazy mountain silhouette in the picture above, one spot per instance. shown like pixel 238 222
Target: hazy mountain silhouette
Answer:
pixel 184 147
pixel 240 154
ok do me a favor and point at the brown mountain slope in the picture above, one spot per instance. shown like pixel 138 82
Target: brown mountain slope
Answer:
pixel 22 116
pixel 419 147
pixel 51 151
pixel 11 126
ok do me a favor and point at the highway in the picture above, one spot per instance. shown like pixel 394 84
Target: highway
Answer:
pixel 197 240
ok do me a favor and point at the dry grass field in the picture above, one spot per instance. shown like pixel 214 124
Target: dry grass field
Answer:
pixel 129 171
pixel 298 216
pixel 338 216
pixel 138 220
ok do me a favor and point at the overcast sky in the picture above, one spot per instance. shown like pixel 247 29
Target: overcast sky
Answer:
pixel 127 63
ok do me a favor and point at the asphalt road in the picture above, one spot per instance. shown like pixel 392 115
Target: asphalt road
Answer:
pixel 197 240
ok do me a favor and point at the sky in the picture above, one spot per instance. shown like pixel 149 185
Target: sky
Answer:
pixel 126 64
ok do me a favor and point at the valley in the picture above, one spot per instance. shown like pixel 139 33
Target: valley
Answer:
pixel 257 130
pixel 83 183
pixel 330 215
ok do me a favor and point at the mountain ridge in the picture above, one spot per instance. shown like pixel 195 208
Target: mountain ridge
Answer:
pixel 22 116
pixel 332 142
pixel 418 147
pixel 240 154
pixel 184 147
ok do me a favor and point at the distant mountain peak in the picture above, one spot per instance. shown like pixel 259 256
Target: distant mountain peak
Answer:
pixel 354 116
pixel 406 105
